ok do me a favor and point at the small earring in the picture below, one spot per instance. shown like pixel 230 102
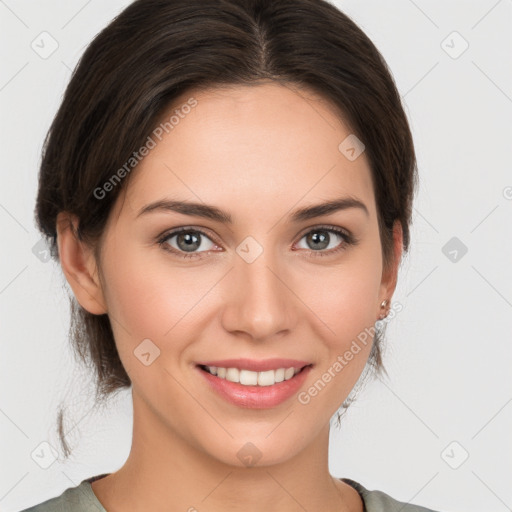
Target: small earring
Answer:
pixel 383 304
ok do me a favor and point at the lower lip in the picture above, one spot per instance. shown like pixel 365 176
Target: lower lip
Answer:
pixel 256 397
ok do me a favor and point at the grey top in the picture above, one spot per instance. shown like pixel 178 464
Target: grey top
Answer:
pixel 82 499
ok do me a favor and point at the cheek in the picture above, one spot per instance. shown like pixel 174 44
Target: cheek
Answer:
pixel 344 297
pixel 150 299
pixel 144 290
pixel 346 304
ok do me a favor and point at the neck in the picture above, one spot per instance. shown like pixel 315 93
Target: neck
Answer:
pixel 164 471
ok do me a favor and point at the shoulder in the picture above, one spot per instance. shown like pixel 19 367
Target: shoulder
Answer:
pixel 378 501
pixel 74 499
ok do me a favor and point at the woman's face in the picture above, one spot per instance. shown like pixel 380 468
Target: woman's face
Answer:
pixel 269 284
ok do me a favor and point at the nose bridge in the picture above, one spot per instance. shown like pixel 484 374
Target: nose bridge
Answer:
pixel 259 302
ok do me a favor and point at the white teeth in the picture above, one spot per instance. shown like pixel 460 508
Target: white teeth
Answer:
pixel 266 378
pixel 289 373
pixel 250 378
pixel 279 375
pixel 233 374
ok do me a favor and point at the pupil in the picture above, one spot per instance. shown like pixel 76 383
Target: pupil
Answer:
pixel 191 242
pixel 321 239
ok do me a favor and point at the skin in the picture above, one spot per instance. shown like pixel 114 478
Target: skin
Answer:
pixel 259 153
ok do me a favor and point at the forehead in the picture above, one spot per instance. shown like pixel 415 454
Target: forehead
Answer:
pixel 263 145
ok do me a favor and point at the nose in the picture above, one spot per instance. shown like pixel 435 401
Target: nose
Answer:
pixel 260 301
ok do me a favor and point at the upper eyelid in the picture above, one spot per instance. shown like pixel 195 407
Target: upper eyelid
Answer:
pixel 176 231
pixel 327 227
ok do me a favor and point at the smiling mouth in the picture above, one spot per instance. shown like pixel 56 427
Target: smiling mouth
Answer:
pixel 251 378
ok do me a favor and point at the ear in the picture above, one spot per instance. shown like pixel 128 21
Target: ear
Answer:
pixel 390 274
pixel 79 265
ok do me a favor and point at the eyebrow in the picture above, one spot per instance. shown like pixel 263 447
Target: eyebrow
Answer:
pixel 216 214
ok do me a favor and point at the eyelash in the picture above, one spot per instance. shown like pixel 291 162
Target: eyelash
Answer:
pixel 349 240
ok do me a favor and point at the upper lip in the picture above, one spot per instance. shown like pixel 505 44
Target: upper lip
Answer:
pixel 255 365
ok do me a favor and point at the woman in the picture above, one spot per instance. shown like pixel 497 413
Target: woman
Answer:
pixel 228 188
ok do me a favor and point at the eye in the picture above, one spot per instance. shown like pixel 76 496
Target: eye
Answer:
pixel 327 240
pixel 187 242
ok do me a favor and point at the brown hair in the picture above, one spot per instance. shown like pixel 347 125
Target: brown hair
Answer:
pixel 155 51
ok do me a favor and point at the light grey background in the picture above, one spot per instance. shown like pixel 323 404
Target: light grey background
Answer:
pixel 449 351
